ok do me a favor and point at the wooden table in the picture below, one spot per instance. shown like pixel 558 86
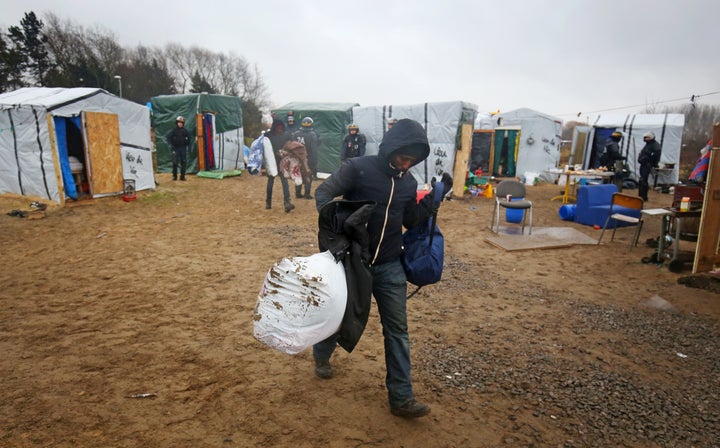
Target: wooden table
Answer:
pixel 566 197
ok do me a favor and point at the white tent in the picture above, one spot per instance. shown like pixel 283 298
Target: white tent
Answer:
pixel 668 130
pixel 442 121
pixel 525 141
pixel 55 142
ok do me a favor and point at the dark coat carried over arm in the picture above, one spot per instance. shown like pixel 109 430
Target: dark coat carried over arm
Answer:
pixel 363 181
pixel 343 231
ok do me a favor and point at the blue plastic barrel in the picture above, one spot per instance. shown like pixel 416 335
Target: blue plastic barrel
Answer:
pixel 567 212
pixel 513 214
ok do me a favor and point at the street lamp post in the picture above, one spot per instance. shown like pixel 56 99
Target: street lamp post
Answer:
pixel 119 78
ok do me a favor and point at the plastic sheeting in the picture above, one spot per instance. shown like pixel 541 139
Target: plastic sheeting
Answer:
pixel 27 156
pixel 302 302
pixel 668 130
pixel 442 122
pixel 228 137
pixel 68 180
pixel 538 143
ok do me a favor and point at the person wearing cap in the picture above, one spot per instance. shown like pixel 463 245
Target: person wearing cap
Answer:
pixel 384 179
pixel 353 144
pixel 391 122
pixel 178 139
pixel 648 159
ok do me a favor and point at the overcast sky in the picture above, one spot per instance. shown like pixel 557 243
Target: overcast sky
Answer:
pixel 558 57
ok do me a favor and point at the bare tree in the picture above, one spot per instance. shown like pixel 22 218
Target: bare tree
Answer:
pixel 83 57
pixel 92 57
pixel 63 39
pixel 106 50
pixel 180 64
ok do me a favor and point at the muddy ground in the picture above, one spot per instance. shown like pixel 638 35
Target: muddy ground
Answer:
pixel 583 346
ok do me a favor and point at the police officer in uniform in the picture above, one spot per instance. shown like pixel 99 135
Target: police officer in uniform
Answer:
pixel 353 143
pixel 178 139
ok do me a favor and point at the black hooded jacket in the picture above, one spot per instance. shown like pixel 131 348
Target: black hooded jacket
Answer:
pixel 372 178
pixel 277 139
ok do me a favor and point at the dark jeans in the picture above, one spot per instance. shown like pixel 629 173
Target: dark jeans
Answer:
pixel 307 186
pixel 179 156
pixel 644 185
pixel 285 188
pixel 390 292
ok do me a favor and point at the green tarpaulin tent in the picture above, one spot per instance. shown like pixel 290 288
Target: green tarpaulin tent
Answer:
pixel 221 115
pixel 331 120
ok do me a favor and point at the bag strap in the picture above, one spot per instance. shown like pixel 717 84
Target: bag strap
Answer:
pixel 437 199
pixel 413 293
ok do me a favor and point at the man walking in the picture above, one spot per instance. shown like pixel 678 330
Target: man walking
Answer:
pixel 384 179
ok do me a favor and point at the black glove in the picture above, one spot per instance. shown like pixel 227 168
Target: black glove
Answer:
pixel 447 181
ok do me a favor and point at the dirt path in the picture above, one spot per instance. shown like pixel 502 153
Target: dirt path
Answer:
pixel 554 347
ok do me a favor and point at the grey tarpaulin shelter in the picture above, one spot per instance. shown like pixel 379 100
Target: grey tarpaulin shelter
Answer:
pixel 215 126
pixel 525 141
pixel 589 141
pixel 442 121
pixel 43 130
pixel 330 123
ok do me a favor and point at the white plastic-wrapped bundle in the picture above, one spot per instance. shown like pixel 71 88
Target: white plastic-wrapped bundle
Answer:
pixel 270 162
pixel 302 302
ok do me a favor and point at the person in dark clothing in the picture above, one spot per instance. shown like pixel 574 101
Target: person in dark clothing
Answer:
pixel 648 159
pixel 178 139
pixel 308 137
pixel 290 125
pixel 384 180
pixel 612 159
pixel 278 137
pixel 612 152
pixel 353 144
